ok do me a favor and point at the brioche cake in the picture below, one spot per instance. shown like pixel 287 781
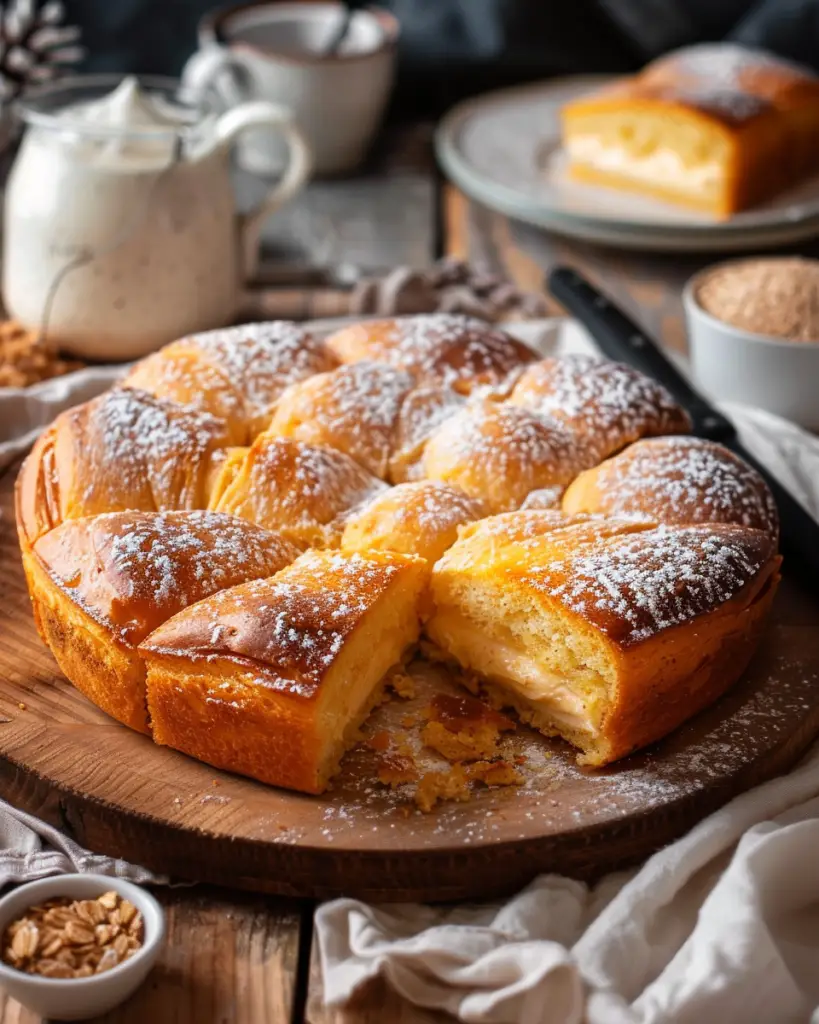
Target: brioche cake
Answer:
pixel 234 556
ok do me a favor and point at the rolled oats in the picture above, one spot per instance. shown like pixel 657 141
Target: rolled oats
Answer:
pixel 62 938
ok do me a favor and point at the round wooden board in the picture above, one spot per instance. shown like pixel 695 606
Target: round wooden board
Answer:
pixel 117 793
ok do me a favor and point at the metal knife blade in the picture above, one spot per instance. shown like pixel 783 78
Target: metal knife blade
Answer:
pixel 621 339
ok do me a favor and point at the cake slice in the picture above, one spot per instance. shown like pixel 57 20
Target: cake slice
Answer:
pixel 273 679
pixel 717 126
pixel 609 633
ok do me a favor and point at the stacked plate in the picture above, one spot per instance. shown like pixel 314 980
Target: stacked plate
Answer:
pixel 504 150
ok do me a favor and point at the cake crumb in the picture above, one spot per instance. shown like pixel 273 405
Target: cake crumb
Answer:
pixel 479 743
pixel 402 684
pixel 395 770
pixel 445 785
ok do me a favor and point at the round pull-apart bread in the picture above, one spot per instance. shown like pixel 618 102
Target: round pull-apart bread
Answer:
pixel 165 530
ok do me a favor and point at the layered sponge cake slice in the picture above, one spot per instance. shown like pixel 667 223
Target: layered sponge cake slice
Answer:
pixel 609 633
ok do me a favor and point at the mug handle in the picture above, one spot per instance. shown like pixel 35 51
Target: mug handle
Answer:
pixel 261 114
pixel 218 69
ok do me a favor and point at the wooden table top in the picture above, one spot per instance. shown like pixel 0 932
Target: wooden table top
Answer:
pixel 231 958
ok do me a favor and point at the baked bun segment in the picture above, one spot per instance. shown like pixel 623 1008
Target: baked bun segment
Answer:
pixel 354 409
pixel 497 453
pixel 419 518
pixel 124 450
pixel 236 374
pixel 272 679
pixel 609 634
pixel 100 585
pixel 717 127
pixel 676 480
pixel 304 492
pixel 608 405
pixel 455 351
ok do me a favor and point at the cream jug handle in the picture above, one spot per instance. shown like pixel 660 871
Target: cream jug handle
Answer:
pixel 260 114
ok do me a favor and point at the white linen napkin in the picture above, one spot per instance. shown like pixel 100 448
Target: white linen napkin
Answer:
pixel 30 849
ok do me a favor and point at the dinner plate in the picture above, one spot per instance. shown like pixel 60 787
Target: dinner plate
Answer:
pixel 504 150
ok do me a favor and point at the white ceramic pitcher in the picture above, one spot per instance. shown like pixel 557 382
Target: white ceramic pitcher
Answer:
pixel 121 228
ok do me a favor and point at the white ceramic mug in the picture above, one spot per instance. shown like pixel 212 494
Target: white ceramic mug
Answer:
pixel 277 52
pixel 120 237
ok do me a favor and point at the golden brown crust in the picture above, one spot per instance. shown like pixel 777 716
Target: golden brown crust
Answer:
pixel 354 409
pixel 100 585
pixel 179 374
pixel 305 492
pixel 419 518
pixel 272 679
pixel 634 586
pixel 455 351
pixel 498 453
pixel 131 571
pixel 659 619
pixel 608 405
pixel 676 480
pixel 124 450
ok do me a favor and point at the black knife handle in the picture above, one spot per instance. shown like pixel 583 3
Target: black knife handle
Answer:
pixel 620 338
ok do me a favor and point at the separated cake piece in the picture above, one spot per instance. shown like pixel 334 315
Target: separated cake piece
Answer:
pixel 272 679
pixel 100 585
pixel 608 633
pixel 717 127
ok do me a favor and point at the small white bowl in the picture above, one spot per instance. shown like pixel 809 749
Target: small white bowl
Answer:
pixel 739 366
pixel 78 998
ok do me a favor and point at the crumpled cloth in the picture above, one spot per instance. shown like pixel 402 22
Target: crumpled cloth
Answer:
pixel 31 849
pixel 722 925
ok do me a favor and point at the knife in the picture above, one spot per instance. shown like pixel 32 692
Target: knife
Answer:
pixel 620 338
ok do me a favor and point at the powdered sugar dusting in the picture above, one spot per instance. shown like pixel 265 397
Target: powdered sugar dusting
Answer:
pixel 609 404
pixel 142 452
pixel 499 453
pixel 298 488
pixel 292 625
pixel 133 570
pixel 262 359
pixel 355 409
pixel 635 585
pixel 685 480
pixel 452 350
pixel 730 81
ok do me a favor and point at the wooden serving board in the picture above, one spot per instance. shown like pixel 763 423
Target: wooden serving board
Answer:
pixel 117 793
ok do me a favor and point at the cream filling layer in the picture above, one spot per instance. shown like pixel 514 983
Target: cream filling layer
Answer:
pixel 512 666
pixel 663 166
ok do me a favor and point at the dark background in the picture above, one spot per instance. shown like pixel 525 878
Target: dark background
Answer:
pixel 453 48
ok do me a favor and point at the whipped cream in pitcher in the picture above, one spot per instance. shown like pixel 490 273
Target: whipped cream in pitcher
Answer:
pixel 121 231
